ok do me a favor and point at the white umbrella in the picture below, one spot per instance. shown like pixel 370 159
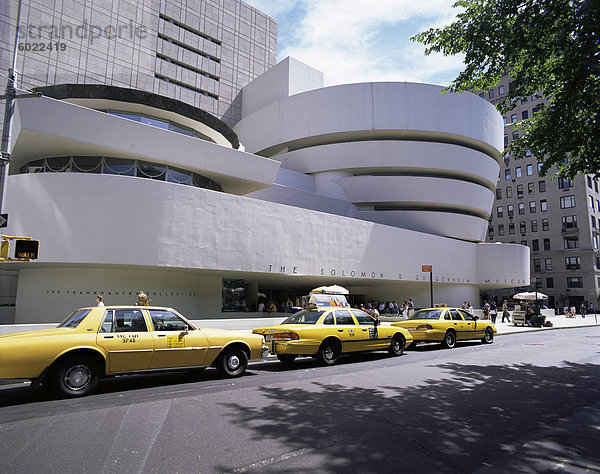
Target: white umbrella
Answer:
pixel 530 296
pixel 331 290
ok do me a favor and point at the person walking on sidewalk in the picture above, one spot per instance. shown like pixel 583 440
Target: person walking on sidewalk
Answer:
pixel 505 313
pixel 493 312
pixel 582 310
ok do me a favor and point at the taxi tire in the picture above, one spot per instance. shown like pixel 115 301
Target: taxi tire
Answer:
pixel 488 337
pixel 286 359
pixel 75 377
pixel 329 352
pixel 232 362
pixel 449 340
pixel 396 346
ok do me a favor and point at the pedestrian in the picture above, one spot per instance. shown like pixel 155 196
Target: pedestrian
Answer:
pixel 261 307
pixel 142 299
pixel 411 307
pixel 493 312
pixel 99 300
pixel 582 310
pixel 486 310
pixel 505 313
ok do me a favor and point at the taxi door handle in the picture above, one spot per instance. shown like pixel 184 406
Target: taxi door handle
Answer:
pixel 161 335
pixel 340 330
pixel 455 324
pixel 365 329
pixel 109 337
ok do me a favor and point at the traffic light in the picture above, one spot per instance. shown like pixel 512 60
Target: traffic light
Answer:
pixel 27 249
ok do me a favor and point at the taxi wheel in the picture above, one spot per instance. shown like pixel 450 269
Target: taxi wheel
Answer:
pixel 329 353
pixel 232 362
pixel 449 340
pixel 396 346
pixel 75 377
pixel 488 337
pixel 286 359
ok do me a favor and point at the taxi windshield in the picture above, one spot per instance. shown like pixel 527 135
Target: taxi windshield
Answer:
pixel 426 314
pixel 73 320
pixel 304 317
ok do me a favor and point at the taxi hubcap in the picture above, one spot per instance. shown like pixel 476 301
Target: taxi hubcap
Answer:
pixel 77 377
pixel 329 353
pixel 234 362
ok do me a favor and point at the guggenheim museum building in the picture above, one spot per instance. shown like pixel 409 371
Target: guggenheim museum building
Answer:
pixel 182 161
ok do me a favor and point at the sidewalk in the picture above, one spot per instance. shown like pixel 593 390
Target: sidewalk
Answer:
pixel 558 322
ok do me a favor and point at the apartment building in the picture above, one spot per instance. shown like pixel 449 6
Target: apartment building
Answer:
pixel 557 218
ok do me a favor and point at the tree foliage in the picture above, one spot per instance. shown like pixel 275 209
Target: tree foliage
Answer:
pixel 549 48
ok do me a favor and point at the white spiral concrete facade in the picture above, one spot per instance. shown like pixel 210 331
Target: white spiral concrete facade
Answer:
pixel 402 154
pixel 299 208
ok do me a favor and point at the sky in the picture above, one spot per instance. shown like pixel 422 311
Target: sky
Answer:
pixel 363 40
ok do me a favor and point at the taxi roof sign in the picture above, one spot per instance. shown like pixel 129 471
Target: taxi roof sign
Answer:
pixel 327 301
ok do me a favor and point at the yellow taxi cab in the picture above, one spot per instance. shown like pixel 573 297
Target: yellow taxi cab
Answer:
pixel 330 328
pixel 446 325
pixel 107 340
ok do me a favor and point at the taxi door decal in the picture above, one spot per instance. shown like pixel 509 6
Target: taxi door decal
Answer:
pixel 175 341
pixel 373 333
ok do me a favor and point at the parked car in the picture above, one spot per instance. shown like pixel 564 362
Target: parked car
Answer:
pixel 99 341
pixel 447 325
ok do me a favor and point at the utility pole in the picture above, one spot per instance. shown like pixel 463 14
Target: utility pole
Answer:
pixel 10 95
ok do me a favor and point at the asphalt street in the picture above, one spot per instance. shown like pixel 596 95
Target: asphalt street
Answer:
pixel 529 402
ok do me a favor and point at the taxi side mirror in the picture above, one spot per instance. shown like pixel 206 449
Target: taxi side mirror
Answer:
pixel 185 329
pixel 376 323
pixel 475 318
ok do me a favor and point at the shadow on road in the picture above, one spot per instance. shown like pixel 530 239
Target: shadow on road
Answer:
pixel 508 418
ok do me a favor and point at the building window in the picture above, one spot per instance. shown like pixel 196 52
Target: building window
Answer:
pixel 564 183
pixel 511 210
pixel 500 90
pixel 515 135
pixel 518 172
pixel 504 121
pixel 591 202
pixel 593 222
pixel 500 229
pixel 532 207
pixel 507 174
pixel 549 282
pixel 491 232
pixel 498 193
pixel 548 264
pixel 523 227
pixel 574 282
pixel 571 242
pixel 525 115
pixel 542 186
pixel 519 191
pixel 596 184
pixel 534 110
pixel 567 201
pixel 530 188
pixel 543 205
pixel 524 243
pixel 569 222
pixel 491 93
pixel 513 118
pixel 535 245
pixel 536 265
pixel 597 261
pixel 500 211
pixel 529 170
pixel 572 263
pixel 505 140
pixel 534 226
pixel 545 224
pixel 595 242
pixel 511 228
pixel 547 244
pixel 509 191
pixel 589 181
pixel 521 208
pixel 540 165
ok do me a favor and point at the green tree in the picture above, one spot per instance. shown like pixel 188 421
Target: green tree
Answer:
pixel 549 48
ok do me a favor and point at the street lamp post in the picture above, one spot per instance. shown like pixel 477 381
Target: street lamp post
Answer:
pixel 10 95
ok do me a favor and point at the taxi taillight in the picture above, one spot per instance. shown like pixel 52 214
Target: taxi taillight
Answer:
pixel 286 336
pixel 424 327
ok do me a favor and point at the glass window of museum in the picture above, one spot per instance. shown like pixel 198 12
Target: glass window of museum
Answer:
pixel 565 254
